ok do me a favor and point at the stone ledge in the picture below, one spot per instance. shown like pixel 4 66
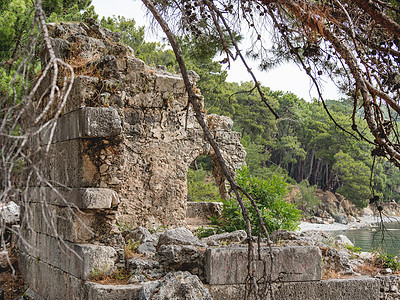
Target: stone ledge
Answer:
pixel 68 223
pixel 362 288
pixel 82 198
pixel 229 265
pixel 113 292
pixel 86 122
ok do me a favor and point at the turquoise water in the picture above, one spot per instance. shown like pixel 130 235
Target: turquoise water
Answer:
pixel 372 238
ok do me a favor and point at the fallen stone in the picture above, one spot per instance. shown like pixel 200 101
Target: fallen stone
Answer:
pixel 147 248
pixel 281 234
pixel 180 257
pixel 229 265
pixel 139 234
pixel 342 219
pixel 181 285
pixel 237 236
pixel 366 255
pixel 143 270
pixel 343 240
pixel 336 261
pixel 137 278
pixel 135 264
pixel 178 236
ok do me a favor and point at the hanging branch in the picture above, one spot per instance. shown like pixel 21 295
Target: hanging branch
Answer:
pixel 193 99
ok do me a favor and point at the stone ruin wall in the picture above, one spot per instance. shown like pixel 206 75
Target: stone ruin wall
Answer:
pixel 139 146
pixel 120 154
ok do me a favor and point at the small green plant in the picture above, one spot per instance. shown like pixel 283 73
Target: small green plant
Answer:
pixel 122 274
pixel 99 274
pixel 387 260
pixel 203 232
pixel 123 226
pixel 130 248
pixel 353 248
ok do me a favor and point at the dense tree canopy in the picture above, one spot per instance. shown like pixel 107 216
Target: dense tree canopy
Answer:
pixel 355 43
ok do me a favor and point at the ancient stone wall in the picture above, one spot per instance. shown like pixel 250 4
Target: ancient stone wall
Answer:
pixel 126 129
pixel 119 155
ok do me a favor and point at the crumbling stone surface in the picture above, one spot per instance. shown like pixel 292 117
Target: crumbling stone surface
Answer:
pixel 125 128
pixel 389 287
pixel 181 258
pixel 181 285
pixel 178 236
pixel 118 157
pixel 237 236
pixel 9 213
pixel 139 234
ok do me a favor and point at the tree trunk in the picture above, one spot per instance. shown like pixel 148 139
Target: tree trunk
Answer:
pixel 311 166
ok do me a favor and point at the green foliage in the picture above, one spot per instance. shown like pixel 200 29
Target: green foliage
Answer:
pixel 387 260
pixel 353 248
pixel 307 200
pixel 268 195
pixel 356 176
pixel 198 189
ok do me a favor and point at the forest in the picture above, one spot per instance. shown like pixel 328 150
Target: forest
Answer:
pixel 304 146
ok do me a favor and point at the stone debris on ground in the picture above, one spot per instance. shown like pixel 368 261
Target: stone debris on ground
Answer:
pixel 9 213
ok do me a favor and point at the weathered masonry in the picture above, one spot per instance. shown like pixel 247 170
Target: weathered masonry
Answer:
pixel 120 153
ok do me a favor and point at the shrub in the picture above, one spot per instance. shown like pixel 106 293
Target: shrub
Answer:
pixel 387 260
pixel 268 195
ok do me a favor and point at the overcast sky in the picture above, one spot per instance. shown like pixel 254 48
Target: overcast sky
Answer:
pixel 287 77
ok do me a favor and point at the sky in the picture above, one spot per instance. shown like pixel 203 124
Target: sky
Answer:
pixel 287 77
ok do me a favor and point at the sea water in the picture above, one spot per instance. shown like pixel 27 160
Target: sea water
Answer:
pixel 382 238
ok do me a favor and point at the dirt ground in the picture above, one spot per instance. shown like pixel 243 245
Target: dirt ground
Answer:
pixel 12 284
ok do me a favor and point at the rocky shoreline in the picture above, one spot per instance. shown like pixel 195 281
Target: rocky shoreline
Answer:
pixel 364 221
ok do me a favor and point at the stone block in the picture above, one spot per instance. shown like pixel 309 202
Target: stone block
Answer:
pixel 361 288
pixel 79 260
pixel 70 224
pixel 229 265
pixel 86 122
pixel 82 198
pixel 70 164
pixel 47 282
pixel 134 64
pixel 169 83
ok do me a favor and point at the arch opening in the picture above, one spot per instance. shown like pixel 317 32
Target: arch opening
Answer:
pixel 204 181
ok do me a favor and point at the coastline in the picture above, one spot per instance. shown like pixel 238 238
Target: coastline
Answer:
pixel 365 221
